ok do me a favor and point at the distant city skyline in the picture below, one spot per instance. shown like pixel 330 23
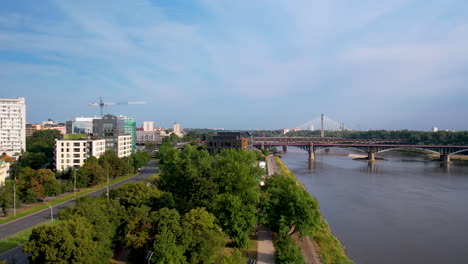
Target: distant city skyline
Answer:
pixel 240 64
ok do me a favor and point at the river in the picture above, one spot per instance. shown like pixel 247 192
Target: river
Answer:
pixel 401 210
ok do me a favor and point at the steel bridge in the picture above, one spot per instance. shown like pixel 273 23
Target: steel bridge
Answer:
pixel 370 146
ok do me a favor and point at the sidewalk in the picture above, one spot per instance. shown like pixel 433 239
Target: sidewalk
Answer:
pixel 266 250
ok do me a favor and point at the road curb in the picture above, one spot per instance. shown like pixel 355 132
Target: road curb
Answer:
pixel 17 219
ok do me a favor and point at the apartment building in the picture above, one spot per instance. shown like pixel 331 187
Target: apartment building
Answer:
pixel 73 153
pixel 124 146
pixel 12 126
pixel 144 136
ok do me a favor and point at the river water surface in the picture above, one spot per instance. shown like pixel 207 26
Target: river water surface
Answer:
pixel 401 210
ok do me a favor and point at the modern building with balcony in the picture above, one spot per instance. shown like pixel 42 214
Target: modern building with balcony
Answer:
pixel 73 153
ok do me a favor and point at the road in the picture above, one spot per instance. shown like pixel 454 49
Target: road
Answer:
pixel 14 227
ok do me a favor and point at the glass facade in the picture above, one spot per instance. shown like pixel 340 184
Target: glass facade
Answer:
pixel 130 129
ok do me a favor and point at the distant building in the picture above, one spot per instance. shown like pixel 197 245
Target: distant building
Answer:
pixel 124 146
pixel 4 169
pixel 12 126
pixel 311 128
pixel 285 131
pixel 435 129
pixel 31 128
pixel 109 127
pixel 177 129
pixel 223 140
pixel 296 129
pixel 73 153
pixel 49 122
pixel 81 125
pixel 151 136
pixel 130 129
pixel 148 126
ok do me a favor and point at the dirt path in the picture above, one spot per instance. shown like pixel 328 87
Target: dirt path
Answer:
pixel 272 166
pixel 309 250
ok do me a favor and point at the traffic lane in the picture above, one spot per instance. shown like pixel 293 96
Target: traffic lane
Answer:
pixel 15 255
pixel 11 228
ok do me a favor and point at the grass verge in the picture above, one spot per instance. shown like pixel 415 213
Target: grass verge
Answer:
pixel 19 238
pixel 330 248
pixel 63 198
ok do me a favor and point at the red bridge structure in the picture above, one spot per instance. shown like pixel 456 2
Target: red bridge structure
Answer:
pixel 370 146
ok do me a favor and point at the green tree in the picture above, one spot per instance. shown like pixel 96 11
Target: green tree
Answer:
pixel 6 196
pixel 168 245
pixel 103 216
pixel 235 217
pixel 33 160
pixel 112 164
pixel 166 250
pixel 70 242
pixel 203 237
pixel 284 199
pixel 286 250
pixel 235 257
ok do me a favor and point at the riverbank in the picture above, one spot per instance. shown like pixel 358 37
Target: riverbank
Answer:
pixel 329 247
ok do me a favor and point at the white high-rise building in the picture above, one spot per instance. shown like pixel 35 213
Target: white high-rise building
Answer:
pixel 148 126
pixel 177 129
pixel 311 128
pixel 12 126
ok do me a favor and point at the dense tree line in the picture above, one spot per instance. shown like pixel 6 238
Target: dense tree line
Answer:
pixel 287 208
pixel 198 204
pixel 184 216
pixel 37 184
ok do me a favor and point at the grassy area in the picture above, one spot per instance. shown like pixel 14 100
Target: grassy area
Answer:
pixel 19 238
pixel 330 248
pixel 152 177
pixel 63 198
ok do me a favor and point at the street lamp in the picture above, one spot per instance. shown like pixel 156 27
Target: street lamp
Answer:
pixel 107 187
pixel 14 197
pixel 51 213
pixel 74 183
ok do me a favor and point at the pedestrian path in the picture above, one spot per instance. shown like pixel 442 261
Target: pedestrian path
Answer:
pixel 266 250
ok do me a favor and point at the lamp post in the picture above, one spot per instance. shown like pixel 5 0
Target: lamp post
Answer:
pixel 107 187
pixel 51 213
pixel 74 183
pixel 14 197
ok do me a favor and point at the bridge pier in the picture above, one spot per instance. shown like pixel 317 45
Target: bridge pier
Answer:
pixel 285 148
pixel 311 152
pixel 371 156
pixel 311 155
pixel 445 158
pixel 262 147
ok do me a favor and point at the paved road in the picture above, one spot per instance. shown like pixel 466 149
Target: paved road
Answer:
pixel 14 227
pixel 266 250
pixel 16 255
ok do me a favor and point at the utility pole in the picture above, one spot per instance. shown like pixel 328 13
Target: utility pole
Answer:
pixel 107 187
pixel 14 198
pixel 74 183
pixel 51 213
pixel 322 134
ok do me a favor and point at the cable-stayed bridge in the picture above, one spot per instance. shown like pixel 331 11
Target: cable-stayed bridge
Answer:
pixel 370 146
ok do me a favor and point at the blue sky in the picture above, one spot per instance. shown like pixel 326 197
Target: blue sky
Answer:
pixel 241 64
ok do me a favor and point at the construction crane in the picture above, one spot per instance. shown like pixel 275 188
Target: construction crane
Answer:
pixel 101 104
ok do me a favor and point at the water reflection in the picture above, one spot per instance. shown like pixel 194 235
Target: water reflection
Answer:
pixel 413 212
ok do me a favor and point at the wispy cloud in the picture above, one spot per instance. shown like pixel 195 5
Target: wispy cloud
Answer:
pixel 264 51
